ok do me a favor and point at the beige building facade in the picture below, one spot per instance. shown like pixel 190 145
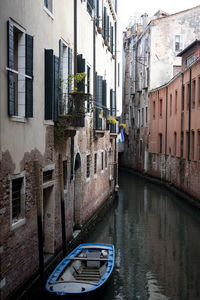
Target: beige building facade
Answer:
pixel 58 154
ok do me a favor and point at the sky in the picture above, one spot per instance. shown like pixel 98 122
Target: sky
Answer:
pixel 126 8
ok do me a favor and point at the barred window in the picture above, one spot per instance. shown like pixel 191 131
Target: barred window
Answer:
pixel 95 163
pixel 88 166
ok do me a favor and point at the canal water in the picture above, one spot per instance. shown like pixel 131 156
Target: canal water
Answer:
pixel 157 241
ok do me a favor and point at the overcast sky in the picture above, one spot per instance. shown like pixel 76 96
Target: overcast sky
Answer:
pixel 126 8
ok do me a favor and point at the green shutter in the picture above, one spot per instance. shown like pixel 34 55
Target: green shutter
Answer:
pixel 104 23
pixel 111 39
pixel 97 13
pixel 81 69
pixel 60 76
pixel 49 84
pixel 11 92
pixel 29 72
pixel 107 29
pixel 104 100
pixel 111 102
pixel 56 87
pixel 69 67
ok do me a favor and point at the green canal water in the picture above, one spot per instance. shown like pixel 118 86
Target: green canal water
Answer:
pixel 157 242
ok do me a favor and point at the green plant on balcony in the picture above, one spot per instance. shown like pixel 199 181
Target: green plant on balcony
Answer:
pixel 72 107
pixel 122 125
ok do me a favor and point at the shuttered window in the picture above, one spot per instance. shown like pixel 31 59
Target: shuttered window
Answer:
pixel 20 72
pixel 81 69
pixel 90 6
pixel 105 23
pixel 51 85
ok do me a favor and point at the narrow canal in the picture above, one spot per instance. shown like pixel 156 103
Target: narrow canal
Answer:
pixel 157 241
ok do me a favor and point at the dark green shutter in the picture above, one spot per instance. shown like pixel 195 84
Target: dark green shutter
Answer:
pixel 104 23
pixel 69 67
pixel 11 91
pixel 49 84
pixel 99 101
pixel 29 72
pixel 81 69
pixel 111 39
pixel 60 76
pixel 104 100
pixel 56 87
pixel 111 102
pixel 107 29
pixel 97 13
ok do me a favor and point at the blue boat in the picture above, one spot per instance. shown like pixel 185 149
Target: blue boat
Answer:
pixel 83 272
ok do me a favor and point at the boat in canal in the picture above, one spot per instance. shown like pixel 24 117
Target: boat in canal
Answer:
pixel 83 272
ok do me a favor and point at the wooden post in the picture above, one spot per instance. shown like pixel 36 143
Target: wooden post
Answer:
pixel 39 220
pixel 62 205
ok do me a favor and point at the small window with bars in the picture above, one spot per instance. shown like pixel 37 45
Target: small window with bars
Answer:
pixel 106 159
pixel 65 174
pixel 101 160
pixel 47 176
pixel 95 163
pixel 17 198
pixel 88 166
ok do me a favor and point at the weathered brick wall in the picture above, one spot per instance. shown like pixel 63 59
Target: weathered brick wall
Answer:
pixel 181 173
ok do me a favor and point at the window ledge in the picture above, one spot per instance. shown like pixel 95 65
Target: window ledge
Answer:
pixel 49 13
pixel 18 223
pixel 18 119
pixel 49 122
pixel 48 184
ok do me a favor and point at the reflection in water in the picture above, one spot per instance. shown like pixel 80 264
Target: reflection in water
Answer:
pixel 157 244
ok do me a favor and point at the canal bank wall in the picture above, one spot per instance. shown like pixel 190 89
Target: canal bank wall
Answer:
pixel 30 289
pixel 190 199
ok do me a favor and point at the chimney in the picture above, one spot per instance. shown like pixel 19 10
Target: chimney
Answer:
pixel 144 21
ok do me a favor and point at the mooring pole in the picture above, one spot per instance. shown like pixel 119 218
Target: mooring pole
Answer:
pixel 39 221
pixel 62 205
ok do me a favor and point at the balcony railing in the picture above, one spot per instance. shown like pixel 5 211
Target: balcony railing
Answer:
pixel 73 108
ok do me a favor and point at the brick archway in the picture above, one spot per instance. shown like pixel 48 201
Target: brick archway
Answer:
pixel 77 192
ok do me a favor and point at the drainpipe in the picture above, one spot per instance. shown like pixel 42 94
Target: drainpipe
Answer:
pixel 62 205
pixel 166 123
pixel 39 220
pixel 189 114
pixel 75 71
pixel 115 85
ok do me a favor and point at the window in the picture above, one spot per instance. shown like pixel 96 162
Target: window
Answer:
pixel 146 115
pixel 183 97
pixel 138 117
pixel 49 5
pixel 175 141
pixel 176 99
pixel 20 72
pixel 142 116
pixel 88 86
pixel 188 96
pixel 95 163
pixel 47 176
pixel 51 85
pixel 101 160
pixel 187 145
pixel 106 159
pixel 154 109
pixel 178 46
pixel 17 198
pixel 198 92
pixel 182 143
pixel 170 108
pixel 193 93
pixel 190 60
pixel 63 74
pixel 65 174
pixel 161 108
pixel 192 145
pixel 198 145
pixel 160 143
pixel 90 7
pixel 88 166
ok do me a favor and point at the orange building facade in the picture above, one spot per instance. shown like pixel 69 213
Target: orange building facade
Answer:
pixel 174 129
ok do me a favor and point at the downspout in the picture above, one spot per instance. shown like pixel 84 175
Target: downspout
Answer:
pixel 94 71
pixel 115 85
pixel 75 71
pixel 166 121
pixel 189 114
